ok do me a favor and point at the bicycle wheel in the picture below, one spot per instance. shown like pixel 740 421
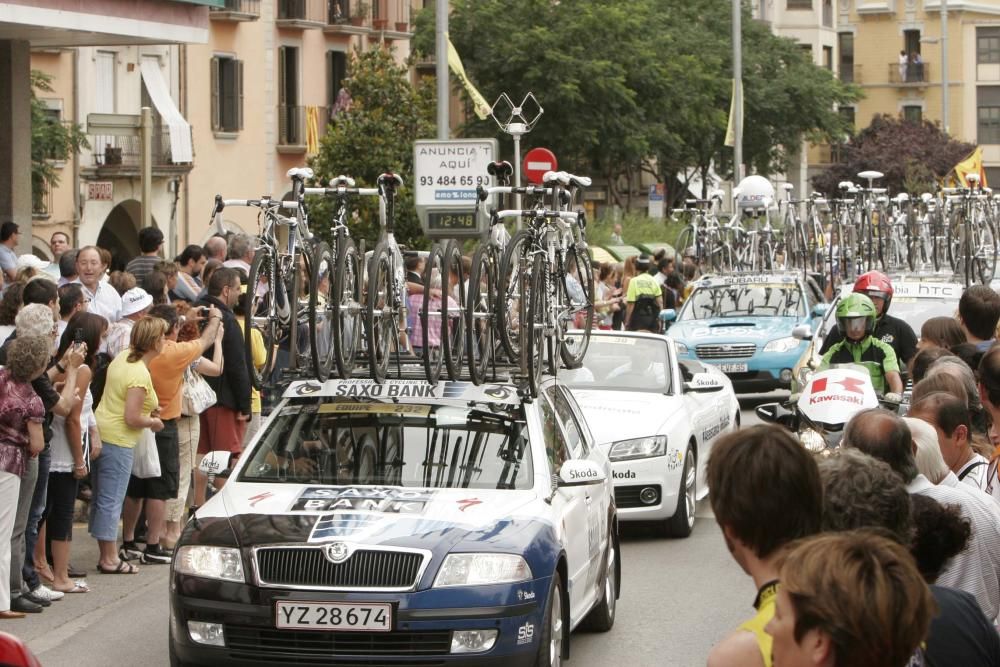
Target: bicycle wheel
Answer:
pixel 686 239
pixel 984 248
pixel 453 309
pixel 509 294
pixel 578 292
pixel 261 315
pixel 347 316
pixel 480 312
pixel 534 307
pixel 380 307
pixel 430 314
pixel 322 312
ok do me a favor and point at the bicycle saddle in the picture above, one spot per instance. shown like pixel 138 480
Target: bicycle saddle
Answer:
pixel 787 187
pixel 299 172
pixel 500 168
pixel 845 185
pixel 926 197
pixel 870 175
pixel 390 177
pixel 342 181
pixel 972 178
pixel 901 197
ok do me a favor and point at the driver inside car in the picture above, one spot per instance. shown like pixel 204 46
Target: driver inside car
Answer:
pixel 856 315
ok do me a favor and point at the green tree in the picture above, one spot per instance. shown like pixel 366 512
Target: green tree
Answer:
pixel 50 140
pixel 911 154
pixel 641 85
pixel 375 135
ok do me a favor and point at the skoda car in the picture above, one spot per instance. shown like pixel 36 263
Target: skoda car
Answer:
pixel 402 523
pixel 657 419
pixel 743 325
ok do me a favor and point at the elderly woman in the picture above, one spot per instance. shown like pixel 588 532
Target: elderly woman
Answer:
pixel 128 406
pixel 21 417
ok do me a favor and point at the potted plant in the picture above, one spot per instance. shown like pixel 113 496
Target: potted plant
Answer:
pixel 361 12
pixel 402 26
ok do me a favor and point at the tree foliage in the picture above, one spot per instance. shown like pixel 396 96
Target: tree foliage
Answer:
pixel 911 154
pixel 50 140
pixel 376 135
pixel 641 85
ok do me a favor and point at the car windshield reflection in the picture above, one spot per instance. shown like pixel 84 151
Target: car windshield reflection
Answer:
pixel 744 301
pixel 347 441
pixel 622 363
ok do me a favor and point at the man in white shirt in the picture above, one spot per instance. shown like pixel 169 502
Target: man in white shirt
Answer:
pixel 950 418
pixel 104 300
pixel 976 570
pixel 241 253
pixel 10 233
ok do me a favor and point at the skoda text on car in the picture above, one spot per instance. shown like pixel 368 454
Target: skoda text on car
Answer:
pixel 402 523
pixel 656 419
pixel 743 324
pixel 915 300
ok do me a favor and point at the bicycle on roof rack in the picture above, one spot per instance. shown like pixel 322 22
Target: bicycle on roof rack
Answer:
pixel 972 247
pixel 335 308
pixel 278 277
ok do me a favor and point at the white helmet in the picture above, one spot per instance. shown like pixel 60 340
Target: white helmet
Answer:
pixel 754 192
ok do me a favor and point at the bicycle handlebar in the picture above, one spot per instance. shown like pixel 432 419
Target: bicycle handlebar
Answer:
pixel 482 193
pixel 566 216
pixel 333 192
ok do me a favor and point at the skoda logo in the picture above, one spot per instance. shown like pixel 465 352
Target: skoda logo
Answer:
pixel 727 348
pixel 336 552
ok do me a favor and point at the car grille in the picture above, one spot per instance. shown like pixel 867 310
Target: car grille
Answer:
pixel 628 496
pixel 729 351
pixel 312 647
pixel 364 569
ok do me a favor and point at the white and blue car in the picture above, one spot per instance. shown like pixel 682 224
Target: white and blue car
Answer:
pixel 743 325
pixel 402 523
pixel 656 417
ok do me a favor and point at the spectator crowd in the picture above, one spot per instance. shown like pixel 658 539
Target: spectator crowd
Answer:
pixel 96 370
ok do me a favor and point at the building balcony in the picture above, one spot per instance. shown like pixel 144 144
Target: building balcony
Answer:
pixel 348 17
pixel 236 10
pixel 122 155
pixel 301 14
pixel 910 74
pixel 294 127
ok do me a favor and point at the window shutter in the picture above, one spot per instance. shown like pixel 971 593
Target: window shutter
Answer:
pixel 331 92
pixel 214 86
pixel 281 76
pixel 239 94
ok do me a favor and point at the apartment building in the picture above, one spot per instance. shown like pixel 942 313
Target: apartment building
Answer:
pixel 230 115
pixel 892 49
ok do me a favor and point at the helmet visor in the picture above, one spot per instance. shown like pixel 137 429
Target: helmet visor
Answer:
pixel 854 327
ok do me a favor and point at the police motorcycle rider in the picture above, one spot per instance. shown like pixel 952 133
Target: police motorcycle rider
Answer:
pixel 856 317
pixel 888 329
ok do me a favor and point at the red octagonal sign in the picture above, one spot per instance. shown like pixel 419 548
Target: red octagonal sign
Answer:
pixel 537 161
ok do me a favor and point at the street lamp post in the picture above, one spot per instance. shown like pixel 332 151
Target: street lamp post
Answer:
pixel 944 64
pixel 737 91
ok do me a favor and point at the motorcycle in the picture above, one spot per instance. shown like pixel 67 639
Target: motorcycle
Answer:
pixel 828 401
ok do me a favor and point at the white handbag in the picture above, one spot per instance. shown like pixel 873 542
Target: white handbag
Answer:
pixel 198 395
pixel 146 459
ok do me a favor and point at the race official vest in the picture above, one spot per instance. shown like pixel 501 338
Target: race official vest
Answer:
pixel 764 604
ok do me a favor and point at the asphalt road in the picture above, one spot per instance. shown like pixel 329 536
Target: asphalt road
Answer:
pixel 679 597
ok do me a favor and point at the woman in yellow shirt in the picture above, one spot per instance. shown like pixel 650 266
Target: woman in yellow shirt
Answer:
pixel 128 406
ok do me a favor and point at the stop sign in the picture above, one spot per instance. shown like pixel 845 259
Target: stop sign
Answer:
pixel 538 161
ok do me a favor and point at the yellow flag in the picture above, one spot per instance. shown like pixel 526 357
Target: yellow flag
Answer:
pixel 312 130
pixel 731 128
pixel 971 165
pixel 479 103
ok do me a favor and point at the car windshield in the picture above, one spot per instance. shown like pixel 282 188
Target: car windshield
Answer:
pixel 784 300
pixel 917 311
pixel 350 441
pixel 622 363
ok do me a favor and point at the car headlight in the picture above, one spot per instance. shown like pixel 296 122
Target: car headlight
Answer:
pixel 812 440
pixel 681 347
pixel 638 448
pixel 480 569
pixel 782 345
pixel 210 562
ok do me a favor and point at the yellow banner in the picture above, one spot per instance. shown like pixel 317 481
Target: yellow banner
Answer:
pixel 479 103
pixel 971 165
pixel 312 130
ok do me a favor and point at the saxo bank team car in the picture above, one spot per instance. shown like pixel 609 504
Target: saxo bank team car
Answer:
pixel 743 325
pixel 402 524
pixel 656 418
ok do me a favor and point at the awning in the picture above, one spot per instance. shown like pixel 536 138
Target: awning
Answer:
pixel 180 129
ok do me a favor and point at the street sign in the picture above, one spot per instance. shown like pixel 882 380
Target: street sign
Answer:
pixel 100 190
pixel 537 161
pixel 446 174
pixel 656 200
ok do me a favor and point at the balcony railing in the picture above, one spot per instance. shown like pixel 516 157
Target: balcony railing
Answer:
pixel 236 10
pixel 118 152
pixel 293 124
pixel 301 13
pixel 41 206
pixel 348 16
pixel 909 73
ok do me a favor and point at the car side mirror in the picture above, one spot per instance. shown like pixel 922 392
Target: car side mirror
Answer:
pixel 580 472
pixel 214 462
pixel 700 382
pixel 776 413
pixel 820 309
pixel 668 315
pixel 802 332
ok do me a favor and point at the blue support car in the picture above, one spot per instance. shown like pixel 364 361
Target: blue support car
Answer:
pixel 743 324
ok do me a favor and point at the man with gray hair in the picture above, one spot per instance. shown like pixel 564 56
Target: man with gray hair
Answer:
pixel 241 253
pixel 215 248
pixel 885 436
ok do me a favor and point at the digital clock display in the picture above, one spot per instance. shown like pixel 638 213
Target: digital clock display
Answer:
pixel 458 221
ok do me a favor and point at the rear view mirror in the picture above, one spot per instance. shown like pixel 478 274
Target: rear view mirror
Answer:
pixel 578 472
pixel 776 413
pixel 819 310
pixel 704 382
pixel 802 332
pixel 668 315
pixel 214 462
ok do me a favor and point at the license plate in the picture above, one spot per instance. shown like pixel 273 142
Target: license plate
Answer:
pixel 733 368
pixel 343 616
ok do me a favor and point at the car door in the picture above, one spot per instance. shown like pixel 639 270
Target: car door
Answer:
pixel 570 507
